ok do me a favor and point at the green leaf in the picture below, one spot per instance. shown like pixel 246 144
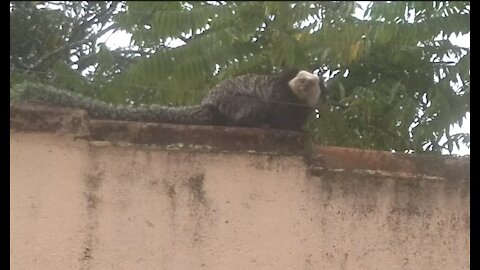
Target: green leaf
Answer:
pixel 388 58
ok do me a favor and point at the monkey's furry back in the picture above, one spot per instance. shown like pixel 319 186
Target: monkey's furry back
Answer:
pixel 249 100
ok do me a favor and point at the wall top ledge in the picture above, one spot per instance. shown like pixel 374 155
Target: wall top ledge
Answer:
pixel 28 117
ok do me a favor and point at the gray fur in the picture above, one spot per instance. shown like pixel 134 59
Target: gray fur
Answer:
pixel 249 100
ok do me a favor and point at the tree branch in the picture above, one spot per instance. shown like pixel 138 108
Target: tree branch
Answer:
pixel 37 66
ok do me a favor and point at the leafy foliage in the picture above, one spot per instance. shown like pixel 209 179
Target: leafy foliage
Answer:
pixel 395 81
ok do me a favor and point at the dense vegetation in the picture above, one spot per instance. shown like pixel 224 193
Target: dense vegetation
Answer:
pixel 395 80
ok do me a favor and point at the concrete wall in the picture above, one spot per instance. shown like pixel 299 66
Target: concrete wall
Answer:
pixel 85 204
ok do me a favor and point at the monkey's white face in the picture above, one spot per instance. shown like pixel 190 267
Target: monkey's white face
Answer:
pixel 306 87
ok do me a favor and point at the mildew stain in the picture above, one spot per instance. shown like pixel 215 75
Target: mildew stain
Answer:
pixel 172 195
pixel 92 182
pixel 196 185
pixel 199 208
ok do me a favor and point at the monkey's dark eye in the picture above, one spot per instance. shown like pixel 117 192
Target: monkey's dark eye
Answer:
pixel 302 80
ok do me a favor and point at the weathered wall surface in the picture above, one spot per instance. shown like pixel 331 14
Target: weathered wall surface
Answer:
pixel 79 204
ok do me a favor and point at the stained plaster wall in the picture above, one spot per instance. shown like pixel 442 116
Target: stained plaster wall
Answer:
pixel 80 204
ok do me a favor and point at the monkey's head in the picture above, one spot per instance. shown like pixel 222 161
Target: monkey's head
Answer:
pixel 306 87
